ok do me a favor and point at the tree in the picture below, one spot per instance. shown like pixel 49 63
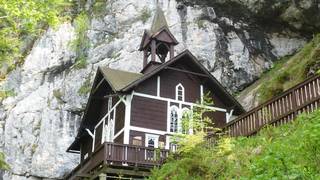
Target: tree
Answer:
pixel 22 20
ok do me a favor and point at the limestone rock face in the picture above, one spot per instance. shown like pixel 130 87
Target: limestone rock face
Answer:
pixel 41 120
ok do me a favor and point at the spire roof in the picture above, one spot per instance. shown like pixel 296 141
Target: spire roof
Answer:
pixel 159 21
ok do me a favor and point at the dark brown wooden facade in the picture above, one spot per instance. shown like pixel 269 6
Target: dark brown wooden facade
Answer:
pixel 129 115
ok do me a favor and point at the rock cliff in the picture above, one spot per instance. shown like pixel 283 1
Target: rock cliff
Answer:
pixel 39 122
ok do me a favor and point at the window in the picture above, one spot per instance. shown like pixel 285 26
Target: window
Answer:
pixel 174 119
pixel 180 92
pixel 137 141
pixel 152 140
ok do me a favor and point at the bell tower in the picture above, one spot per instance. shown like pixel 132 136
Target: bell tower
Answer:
pixel 157 42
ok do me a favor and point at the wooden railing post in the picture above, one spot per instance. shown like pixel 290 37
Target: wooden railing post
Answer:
pixel 294 103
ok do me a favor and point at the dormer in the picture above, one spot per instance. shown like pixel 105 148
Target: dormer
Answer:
pixel 157 42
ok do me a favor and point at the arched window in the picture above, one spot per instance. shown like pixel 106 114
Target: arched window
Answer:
pixel 174 119
pixel 186 120
pixel 179 92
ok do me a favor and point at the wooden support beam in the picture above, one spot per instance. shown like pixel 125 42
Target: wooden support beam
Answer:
pixel 105 97
pixel 97 87
pixel 185 71
pixel 126 172
pixel 83 175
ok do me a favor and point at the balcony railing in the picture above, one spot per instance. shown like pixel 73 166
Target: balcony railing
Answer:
pixel 119 155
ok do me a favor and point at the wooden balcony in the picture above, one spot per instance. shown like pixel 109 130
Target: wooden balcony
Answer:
pixel 111 158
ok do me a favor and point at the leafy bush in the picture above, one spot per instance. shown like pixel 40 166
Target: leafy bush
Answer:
pixel 291 151
pixel 145 14
pixel 6 93
pixel 24 19
pixel 85 88
pixel 81 43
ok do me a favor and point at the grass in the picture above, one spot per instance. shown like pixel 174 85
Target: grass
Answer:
pixel 288 71
pixel 291 151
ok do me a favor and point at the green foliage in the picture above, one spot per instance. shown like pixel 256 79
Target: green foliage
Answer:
pixel 7 93
pixel 85 88
pixel 99 8
pixel 145 14
pixel 291 151
pixel 290 70
pixel 3 164
pixel 81 43
pixel 200 23
pixel 22 19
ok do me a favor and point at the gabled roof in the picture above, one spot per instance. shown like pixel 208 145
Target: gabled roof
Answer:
pixel 124 82
pixel 119 79
pixel 228 97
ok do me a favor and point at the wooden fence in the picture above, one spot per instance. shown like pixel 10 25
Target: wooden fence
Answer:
pixel 304 97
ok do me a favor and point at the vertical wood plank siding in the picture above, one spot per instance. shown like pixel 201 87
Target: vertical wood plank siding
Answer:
pixel 304 97
pixel 148 87
pixel 170 79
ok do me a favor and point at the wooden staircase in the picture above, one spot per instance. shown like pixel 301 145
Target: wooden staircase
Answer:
pixel 302 98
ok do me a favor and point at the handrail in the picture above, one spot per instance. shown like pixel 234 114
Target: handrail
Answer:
pixel 123 154
pixel 303 97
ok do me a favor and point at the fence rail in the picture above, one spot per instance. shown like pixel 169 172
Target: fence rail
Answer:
pixel 304 97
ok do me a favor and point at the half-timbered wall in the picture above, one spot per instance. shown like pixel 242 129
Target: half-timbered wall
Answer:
pixel 142 135
pixel 148 87
pixel 169 79
pixel 119 139
pixel 149 113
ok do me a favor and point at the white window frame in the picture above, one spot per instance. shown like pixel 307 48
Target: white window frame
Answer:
pixel 190 125
pixel 178 116
pixel 152 136
pixel 182 91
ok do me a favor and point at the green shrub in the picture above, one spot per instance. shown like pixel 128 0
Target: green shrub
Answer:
pixel 21 20
pixel 145 14
pixel 85 88
pixel 290 70
pixel 7 93
pixel 291 151
pixel 80 43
